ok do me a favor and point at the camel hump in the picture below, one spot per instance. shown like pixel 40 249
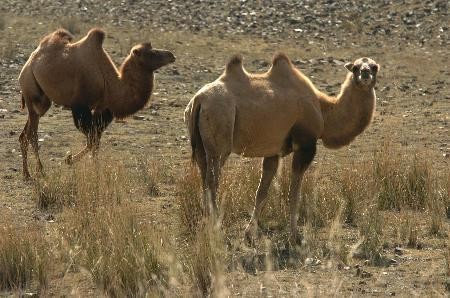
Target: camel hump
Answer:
pixel 281 64
pixel 281 59
pixel 96 35
pixel 235 64
pixel 60 36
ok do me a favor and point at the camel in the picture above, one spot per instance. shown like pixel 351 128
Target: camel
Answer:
pixel 82 77
pixel 271 115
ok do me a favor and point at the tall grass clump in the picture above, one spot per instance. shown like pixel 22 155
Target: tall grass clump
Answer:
pixel 208 259
pixel 95 179
pixel 24 258
pixel 402 180
pixel 104 234
pixel 207 252
pixel 371 233
pixel 191 203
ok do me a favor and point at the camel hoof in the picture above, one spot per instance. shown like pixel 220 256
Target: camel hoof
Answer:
pixel 249 238
pixel 296 239
pixel 69 159
pixel 26 177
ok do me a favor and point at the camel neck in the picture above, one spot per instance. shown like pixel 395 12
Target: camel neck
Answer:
pixel 132 90
pixel 346 115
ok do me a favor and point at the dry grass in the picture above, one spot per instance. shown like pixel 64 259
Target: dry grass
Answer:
pixel 356 195
pixel 153 174
pixel 102 232
pixel 207 260
pixel 190 196
pixel 24 258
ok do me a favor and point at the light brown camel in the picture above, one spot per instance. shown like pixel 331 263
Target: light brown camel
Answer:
pixel 270 115
pixel 82 77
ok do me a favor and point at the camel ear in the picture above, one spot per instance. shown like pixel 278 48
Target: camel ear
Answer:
pixel 137 52
pixel 349 66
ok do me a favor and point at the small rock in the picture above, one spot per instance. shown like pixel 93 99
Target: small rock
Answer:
pixel 138 117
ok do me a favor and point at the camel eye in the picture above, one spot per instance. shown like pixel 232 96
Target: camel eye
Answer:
pixel 374 68
pixel 355 68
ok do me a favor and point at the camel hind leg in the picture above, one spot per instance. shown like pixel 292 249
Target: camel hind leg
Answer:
pixel 36 108
pixel 216 131
pixel 269 169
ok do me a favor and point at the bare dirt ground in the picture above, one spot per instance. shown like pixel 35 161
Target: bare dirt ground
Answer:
pixel 409 39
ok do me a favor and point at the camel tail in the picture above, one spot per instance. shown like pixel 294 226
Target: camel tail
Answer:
pixel 194 131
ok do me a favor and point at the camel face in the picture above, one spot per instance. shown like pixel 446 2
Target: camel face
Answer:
pixel 364 72
pixel 152 59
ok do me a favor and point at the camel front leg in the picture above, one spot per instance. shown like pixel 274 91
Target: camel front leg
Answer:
pixel 100 121
pixel 269 169
pixel 300 163
pixel 23 140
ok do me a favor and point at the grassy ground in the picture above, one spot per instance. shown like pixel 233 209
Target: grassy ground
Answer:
pixel 373 215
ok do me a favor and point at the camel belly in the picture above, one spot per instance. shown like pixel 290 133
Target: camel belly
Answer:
pixel 261 138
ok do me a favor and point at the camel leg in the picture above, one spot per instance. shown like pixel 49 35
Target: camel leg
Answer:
pixel 213 167
pixel 82 118
pixel 23 139
pixel 300 163
pixel 269 169
pixel 29 136
pixel 33 138
pixel 100 121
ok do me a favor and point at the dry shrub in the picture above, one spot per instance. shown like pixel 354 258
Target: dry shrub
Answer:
pixel 23 258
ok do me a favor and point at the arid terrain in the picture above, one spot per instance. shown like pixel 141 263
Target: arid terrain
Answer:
pixel 374 214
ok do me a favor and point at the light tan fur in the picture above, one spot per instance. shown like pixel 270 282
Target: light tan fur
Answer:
pixel 273 114
pixel 81 74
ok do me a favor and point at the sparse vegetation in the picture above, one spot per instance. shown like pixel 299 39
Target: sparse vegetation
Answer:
pixel 132 224
pixel 24 258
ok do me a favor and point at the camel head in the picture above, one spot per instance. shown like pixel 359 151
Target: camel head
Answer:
pixel 364 72
pixel 149 58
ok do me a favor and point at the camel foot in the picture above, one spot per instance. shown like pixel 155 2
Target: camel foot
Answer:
pixel 69 159
pixel 26 176
pixel 296 239
pixel 251 234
